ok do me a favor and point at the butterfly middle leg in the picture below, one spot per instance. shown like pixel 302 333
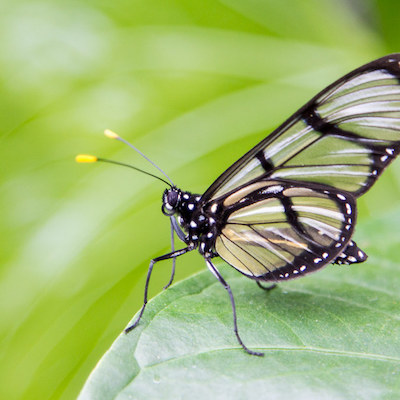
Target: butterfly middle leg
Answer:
pixel 168 256
pixel 217 274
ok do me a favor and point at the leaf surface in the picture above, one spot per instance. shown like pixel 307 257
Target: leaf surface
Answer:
pixel 332 335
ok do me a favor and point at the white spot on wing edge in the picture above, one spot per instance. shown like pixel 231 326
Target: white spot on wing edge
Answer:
pixel 390 151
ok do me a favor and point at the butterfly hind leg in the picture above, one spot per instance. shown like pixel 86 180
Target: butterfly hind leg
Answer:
pixel 168 256
pixel 217 274
pixel 266 288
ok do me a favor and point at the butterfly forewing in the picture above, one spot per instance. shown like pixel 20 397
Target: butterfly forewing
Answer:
pixel 281 231
pixel 343 138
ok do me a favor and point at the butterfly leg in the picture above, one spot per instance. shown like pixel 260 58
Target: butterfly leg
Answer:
pixel 175 228
pixel 173 255
pixel 267 288
pixel 174 259
pixel 216 273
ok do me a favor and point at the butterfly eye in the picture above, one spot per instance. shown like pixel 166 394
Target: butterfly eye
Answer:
pixel 172 198
pixel 170 202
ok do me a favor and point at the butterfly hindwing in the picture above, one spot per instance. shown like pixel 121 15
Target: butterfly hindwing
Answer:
pixel 343 138
pixel 276 230
pixel 352 254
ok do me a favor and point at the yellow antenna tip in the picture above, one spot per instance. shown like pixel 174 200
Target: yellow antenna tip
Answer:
pixel 85 158
pixel 110 134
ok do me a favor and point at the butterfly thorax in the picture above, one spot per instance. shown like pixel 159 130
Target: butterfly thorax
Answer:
pixel 199 227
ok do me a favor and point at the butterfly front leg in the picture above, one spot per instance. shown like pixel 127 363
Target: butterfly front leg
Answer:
pixel 175 228
pixel 174 259
pixel 352 254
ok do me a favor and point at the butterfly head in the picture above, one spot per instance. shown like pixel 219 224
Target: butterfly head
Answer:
pixel 171 201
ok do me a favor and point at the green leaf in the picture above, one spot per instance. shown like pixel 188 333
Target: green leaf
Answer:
pixel 332 335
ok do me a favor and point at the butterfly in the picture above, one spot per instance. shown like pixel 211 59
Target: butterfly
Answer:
pixel 288 206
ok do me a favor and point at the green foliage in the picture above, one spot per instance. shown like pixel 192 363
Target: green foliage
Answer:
pixel 194 85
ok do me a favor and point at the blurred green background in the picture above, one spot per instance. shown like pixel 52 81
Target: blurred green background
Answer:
pixel 194 84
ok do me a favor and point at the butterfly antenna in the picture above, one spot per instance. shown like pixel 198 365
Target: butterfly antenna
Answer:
pixel 87 158
pixel 112 135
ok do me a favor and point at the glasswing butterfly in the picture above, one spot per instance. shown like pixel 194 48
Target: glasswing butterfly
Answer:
pixel 288 206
